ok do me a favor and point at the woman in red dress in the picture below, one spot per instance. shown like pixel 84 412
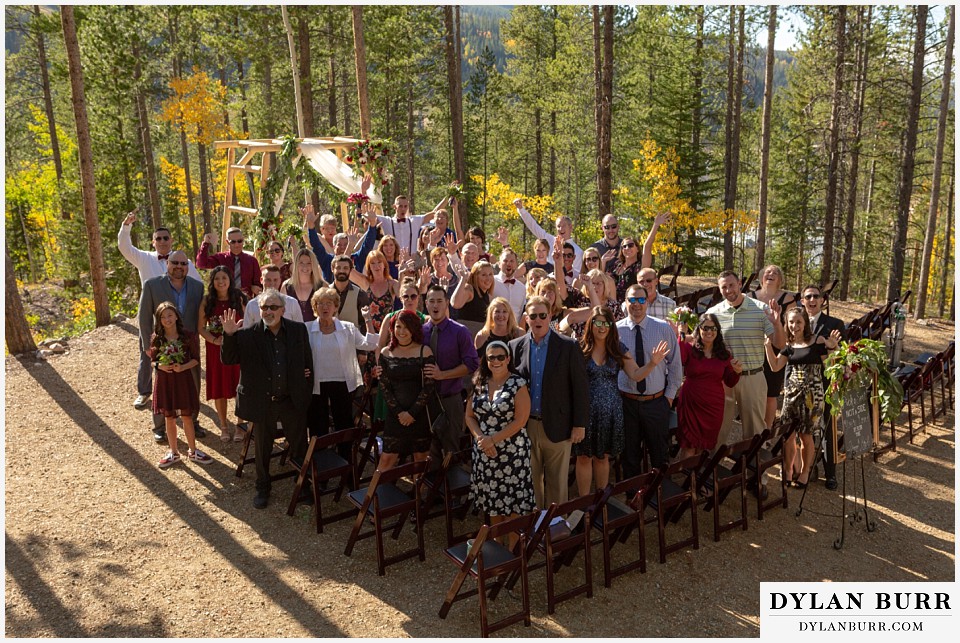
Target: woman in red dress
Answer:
pixel 707 366
pixel 222 380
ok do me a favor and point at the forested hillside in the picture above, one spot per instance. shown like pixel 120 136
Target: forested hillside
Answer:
pixel 631 110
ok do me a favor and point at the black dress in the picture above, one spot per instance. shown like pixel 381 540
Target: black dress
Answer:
pixel 406 389
pixel 774 379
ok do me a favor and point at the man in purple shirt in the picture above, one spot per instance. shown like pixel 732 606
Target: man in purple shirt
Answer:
pixel 456 356
pixel 243 266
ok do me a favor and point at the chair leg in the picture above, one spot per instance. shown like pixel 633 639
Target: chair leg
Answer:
pixel 482 596
pixel 661 534
pixel 378 527
pixel 551 595
pixel 607 578
pixel 452 593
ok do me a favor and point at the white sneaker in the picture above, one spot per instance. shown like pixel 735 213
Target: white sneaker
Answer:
pixel 141 401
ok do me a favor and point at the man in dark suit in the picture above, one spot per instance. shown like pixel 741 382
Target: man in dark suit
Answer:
pixel 276 382
pixel 185 293
pixel 560 404
pixel 822 325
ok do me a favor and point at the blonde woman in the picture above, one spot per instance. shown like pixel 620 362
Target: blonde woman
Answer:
pixel 391 250
pixel 552 290
pixel 771 287
pixel 501 325
pixel 600 289
pixel 305 281
pixel 472 296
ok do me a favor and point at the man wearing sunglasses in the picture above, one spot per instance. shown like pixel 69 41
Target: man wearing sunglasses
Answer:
pixel 276 381
pixel 658 305
pixel 822 325
pixel 559 402
pixel 185 293
pixel 610 241
pixel 149 264
pixel 646 404
pixel 243 266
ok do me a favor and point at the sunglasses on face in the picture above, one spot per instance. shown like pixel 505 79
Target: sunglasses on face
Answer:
pixel 165 237
pixel 177 263
pixel 273 307
pixel 591 258
pixel 811 297
pixel 637 300
pixel 611 227
pixel 648 281
pixel 568 256
pixel 496 358
pixel 234 241
pixel 408 297
pixel 277 251
pixel 629 244
pixel 708 329
pixel 538 315
pixel 602 323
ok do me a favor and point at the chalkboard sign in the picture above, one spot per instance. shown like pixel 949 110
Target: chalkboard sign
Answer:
pixel 856 421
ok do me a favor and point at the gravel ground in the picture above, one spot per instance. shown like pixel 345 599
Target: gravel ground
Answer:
pixel 100 542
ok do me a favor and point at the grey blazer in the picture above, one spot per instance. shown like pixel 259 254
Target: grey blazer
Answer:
pixel 158 290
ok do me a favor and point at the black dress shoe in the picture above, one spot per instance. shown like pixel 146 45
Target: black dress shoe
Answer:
pixel 199 431
pixel 831 483
pixel 261 500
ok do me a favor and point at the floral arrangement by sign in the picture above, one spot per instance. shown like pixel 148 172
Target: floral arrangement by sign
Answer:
pixel 853 366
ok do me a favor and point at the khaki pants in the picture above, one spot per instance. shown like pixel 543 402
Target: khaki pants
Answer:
pixel 750 396
pixel 550 465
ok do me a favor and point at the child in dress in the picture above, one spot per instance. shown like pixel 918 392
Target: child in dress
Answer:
pixel 174 351
pixel 802 391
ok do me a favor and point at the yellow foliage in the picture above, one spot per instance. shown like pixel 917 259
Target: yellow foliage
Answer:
pixel 176 179
pixel 197 105
pixel 500 198
pixel 83 307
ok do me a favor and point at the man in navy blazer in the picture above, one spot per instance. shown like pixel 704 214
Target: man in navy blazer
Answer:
pixel 823 324
pixel 560 404
pixel 276 381
pixel 185 293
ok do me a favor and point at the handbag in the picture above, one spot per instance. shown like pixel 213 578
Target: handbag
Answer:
pixel 438 419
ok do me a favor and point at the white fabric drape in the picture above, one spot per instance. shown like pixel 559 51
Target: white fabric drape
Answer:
pixel 338 173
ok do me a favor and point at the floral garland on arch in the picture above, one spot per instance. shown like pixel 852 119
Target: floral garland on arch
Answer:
pixel 853 365
pixel 372 158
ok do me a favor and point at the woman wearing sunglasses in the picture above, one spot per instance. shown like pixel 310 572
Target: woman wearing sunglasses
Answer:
pixel 707 366
pixel 276 258
pixel 624 271
pixel 605 357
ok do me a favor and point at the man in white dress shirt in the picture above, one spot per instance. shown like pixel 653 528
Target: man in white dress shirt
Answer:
pixel 506 284
pixel 564 232
pixel 271 279
pixel 149 264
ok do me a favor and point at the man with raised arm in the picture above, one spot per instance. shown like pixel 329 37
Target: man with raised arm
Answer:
pixel 243 266
pixel 564 231
pixel 324 258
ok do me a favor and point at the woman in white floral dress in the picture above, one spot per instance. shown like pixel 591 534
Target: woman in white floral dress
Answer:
pixel 501 483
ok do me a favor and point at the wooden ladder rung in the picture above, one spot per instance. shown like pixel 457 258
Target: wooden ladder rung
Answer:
pixel 247 168
pixel 241 209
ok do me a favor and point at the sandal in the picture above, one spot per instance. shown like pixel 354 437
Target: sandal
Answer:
pixel 238 435
pixel 225 435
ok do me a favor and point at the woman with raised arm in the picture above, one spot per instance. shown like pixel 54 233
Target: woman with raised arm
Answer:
pixel 473 295
pixel 625 268
pixel 598 289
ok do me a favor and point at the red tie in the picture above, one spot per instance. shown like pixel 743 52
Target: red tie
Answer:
pixel 509 281
pixel 162 257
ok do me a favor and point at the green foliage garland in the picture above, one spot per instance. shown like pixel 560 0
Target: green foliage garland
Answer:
pixel 853 366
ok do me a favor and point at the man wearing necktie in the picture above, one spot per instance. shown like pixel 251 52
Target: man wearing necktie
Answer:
pixel 646 404
pixel 507 285
pixel 243 266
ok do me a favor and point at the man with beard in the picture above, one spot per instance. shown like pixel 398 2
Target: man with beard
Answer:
pixel 352 299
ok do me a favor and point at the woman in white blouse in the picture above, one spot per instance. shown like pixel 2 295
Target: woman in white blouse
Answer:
pixel 336 372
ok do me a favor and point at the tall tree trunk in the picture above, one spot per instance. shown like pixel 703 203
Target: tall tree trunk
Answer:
pixel 456 105
pixel 19 337
pixel 833 149
pixel 411 170
pixel 204 186
pixel 306 89
pixel 729 195
pixel 360 54
pixel 937 170
pixel 267 65
pixel 146 139
pixel 606 88
pixel 538 148
pixel 242 84
pixel 695 125
pixel 602 206
pixel 51 120
pixel 947 247
pixel 863 52
pixel 905 189
pixel 345 85
pixel 188 183
pixel 760 257
pixel 85 151
pixel 331 75
pixel 553 112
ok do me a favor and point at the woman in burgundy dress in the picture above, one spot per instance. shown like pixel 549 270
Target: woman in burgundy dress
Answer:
pixel 222 380
pixel 707 366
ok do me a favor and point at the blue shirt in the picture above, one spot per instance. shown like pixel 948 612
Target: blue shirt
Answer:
pixel 180 297
pixel 668 374
pixel 538 361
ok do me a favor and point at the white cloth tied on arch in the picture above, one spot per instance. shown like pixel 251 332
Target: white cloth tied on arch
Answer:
pixel 336 172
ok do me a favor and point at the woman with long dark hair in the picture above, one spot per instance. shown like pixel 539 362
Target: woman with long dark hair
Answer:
pixel 497 413
pixel 707 366
pixel 222 379
pixel 624 271
pixel 605 357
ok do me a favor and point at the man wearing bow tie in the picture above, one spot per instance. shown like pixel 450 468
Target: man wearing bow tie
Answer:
pixel 507 285
pixel 149 264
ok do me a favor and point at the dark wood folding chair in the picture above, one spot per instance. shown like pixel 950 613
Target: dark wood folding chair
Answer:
pixel 906 298
pixel 930 373
pixel 560 544
pixel 450 485
pixel 371 446
pixel 616 519
pixel 280 453
pixel 719 479
pixel 486 559
pixel 323 463
pixel 687 299
pixel 746 284
pixel 383 500
pixel 949 355
pixel 880 322
pixel 676 493
pixel 673 272
pixel 765 459
pixel 826 290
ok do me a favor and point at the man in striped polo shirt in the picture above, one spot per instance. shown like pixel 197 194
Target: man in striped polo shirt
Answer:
pixel 745 323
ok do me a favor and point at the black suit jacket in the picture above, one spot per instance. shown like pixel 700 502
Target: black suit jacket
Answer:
pixel 565 401
pixel 827 324
pixel 248 348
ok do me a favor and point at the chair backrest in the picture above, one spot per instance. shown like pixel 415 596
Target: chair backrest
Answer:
pixel 828 288
pixel 519 525
pixel 688 465
pixel 639 486
pixel 339 437
pixel 711 462
pixel 745 449
pixel 903 300
pixel 415 470
pixel 587 504
pixel 745 284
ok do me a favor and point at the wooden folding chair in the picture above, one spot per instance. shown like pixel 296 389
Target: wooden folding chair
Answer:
pixel 486 559
pixel 449 484
pixel 905 298
pixel 948 364
pixel 323 463
pixel 745 284
pixel 383 500
pixel 615 520
pixel 674 272
pixel 371 446
pixel 720 479
pixel 765 459
pixel 282 453
pixel 826 290
pixel 560 544
pixel 676 493
pixel 930 373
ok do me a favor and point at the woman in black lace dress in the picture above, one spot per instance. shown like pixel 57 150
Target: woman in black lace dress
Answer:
pixel 407 391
